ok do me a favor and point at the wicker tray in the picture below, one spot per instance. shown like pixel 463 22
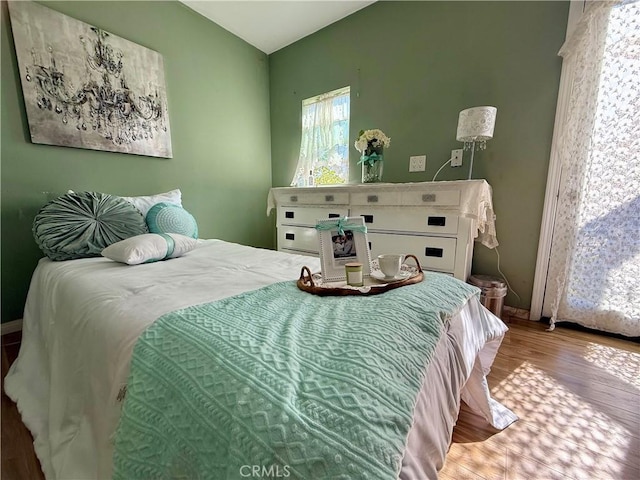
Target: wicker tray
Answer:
pixel 314 284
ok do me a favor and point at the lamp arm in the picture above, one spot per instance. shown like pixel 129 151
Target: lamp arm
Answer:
pixel 473 150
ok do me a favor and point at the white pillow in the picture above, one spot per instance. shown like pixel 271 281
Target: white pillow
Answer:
pixel 144 203
pixel 149 247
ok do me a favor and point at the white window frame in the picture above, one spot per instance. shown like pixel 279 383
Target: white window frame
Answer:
pixel 316 99
pixel 576 9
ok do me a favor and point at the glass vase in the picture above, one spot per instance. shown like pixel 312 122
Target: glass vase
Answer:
pixel 372 165
pixel 372 172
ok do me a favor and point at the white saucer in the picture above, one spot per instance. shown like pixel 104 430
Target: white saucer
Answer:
pixel 402 275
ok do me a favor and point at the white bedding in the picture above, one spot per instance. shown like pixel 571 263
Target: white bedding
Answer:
pixel 83 317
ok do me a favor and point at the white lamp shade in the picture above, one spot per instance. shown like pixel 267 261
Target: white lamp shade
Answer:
pixel 476 124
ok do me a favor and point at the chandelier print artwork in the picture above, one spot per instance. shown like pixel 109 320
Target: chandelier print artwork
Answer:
pixel 84 87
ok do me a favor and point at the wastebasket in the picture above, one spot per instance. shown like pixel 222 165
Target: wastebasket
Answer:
pixel 493 291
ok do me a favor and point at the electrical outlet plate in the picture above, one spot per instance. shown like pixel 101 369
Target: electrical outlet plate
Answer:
pixel 418 163
pixel 456 157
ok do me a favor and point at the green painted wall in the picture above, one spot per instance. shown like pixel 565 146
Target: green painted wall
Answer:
pixel 412 66
pixel 219 112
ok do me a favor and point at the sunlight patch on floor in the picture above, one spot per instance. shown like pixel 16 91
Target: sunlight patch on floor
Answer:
pixel 625 366
pixel 559 429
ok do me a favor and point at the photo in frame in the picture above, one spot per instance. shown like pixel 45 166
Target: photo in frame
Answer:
pixel 343 240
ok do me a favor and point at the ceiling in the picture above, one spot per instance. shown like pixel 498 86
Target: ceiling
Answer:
pixel 270 25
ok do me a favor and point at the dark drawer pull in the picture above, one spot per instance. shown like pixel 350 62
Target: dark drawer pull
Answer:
pixel 436 221
pixel 367 218
pixel 369 245
pixel 328 198
pixel 334 215
pixel 429 197
pixel 433 252
pixel 293 198
pixel 288 214
pixel 289 236
pixel 372 198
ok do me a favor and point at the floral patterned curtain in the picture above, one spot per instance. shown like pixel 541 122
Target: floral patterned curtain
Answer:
pixel 594 268
pixel 324 145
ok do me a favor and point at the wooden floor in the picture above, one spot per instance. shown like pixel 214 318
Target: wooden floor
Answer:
pixel 577 395
pixel 19 462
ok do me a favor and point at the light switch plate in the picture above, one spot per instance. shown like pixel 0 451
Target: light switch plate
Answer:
pixel 418 163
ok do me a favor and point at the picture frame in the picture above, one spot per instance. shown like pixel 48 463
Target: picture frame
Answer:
pixel 84 87
pixel 343 240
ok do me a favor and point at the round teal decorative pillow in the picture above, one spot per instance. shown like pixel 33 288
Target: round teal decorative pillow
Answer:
pixel 171 218
pixel 82 224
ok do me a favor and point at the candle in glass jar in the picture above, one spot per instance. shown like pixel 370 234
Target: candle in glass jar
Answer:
pixel 353 271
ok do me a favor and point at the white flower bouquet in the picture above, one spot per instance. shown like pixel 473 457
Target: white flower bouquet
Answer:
pixel 368 140
pixel 371 144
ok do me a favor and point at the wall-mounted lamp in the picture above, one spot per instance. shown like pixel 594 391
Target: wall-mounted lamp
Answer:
pixel 475 127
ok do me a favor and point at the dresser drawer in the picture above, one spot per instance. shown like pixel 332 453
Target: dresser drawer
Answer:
pixel 303 239
pixel 376 198
pixel 309 215
pixel 435 198
pixel 434 253
pixel 314 198
pixel 406 219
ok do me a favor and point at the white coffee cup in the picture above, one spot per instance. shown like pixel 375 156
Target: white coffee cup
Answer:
pixel 390 264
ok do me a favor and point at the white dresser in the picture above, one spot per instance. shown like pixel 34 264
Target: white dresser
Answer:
pixel 436 221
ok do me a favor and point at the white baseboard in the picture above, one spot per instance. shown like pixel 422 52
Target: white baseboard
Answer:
pixel 516 312
pixel 10 327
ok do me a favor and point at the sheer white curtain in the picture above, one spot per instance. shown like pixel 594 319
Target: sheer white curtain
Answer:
pixel 594 269
pixel 324 143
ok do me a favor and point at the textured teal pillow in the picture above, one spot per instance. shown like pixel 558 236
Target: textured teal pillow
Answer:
pixel 82 224
pixel 171 218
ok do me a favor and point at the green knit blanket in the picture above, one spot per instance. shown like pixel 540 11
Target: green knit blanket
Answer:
pixel 279 383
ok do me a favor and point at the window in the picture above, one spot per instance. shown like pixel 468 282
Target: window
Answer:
pixel 589 268
pixel 324 144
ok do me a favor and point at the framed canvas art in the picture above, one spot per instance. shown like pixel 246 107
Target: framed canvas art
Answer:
pixel 87 88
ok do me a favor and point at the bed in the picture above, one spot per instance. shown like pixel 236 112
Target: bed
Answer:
pixel 83 318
